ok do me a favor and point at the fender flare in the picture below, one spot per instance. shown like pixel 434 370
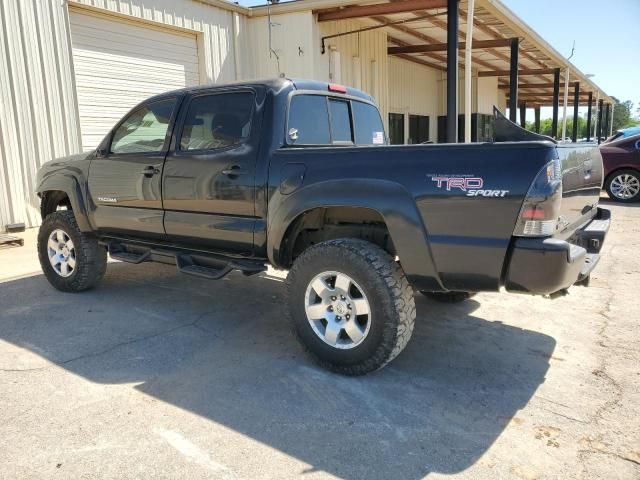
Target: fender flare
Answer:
pixel 70 185
pixel 389 199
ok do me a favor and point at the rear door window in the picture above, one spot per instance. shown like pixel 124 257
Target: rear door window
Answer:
pixel 217 121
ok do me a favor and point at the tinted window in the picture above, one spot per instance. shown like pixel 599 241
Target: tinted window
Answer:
pixel 217 121
pixel 396 128
pixel 418 128
pixel 367 124
pixel 309 117
pixel 145 129
pixel 340 122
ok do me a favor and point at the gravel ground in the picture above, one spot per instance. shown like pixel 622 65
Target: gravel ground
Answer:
pixel 157 374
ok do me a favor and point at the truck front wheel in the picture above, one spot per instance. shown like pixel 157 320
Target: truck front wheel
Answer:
pixel 71 260
pixel 351 305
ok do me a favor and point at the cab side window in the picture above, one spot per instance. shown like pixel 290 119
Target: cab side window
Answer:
pixel 217 121
pixel 145 129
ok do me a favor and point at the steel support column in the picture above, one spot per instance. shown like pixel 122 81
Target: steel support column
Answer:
pixel 576 104
pixel 599 133
pixel 452 71
pixel 556 99
pixel 523 114
pixel 537 119
pixel 513 79
pixel 589 116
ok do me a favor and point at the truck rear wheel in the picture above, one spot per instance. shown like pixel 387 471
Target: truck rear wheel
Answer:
pixel 71 260
pixel 448 297
pixel 351 305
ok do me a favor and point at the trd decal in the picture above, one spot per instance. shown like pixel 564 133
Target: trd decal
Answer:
pixel 472 186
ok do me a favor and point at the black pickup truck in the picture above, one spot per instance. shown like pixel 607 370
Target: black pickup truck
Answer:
pixel 298 174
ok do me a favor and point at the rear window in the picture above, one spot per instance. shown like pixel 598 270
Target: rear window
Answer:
pixel 325 120
pixel 309 120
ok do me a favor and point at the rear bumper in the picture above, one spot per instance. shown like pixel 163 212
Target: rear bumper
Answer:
pixel 543 266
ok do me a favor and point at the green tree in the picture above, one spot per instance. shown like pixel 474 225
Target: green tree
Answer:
pixel 622 114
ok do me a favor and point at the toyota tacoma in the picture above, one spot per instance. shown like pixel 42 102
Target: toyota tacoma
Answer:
pixel 298 174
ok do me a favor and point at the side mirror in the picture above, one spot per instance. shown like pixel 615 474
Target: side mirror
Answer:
pixel 638 145
pixel 101 152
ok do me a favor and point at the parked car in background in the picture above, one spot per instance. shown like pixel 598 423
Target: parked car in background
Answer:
pixel 621 159
pixel 624 133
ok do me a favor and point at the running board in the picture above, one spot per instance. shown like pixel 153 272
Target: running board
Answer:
pixel 199 264
pixel 118 252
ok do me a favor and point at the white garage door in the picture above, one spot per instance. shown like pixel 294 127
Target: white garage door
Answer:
pixel 120 63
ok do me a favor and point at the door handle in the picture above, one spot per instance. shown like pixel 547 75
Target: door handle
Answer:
pixel 234 171
pixel 150 171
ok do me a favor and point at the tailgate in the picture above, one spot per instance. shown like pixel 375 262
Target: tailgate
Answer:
pixel 582 174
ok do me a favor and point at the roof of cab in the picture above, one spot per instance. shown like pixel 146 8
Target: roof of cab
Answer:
pixel 277 84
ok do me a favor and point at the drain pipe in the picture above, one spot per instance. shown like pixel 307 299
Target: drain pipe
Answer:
pixel 467 73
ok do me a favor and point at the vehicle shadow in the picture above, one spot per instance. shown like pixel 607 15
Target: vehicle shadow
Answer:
pixel 608 202
pixel 223 350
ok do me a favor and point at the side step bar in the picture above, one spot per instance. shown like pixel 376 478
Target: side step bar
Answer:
pixel 187 265
pixel 203 265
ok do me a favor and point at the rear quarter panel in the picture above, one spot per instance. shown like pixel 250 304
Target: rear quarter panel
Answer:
pixel 466 238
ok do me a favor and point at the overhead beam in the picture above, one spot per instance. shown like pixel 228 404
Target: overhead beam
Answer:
pixel 442 47
pixel 359 11
pixel 526 71
pixel 530 85
pixel 411 58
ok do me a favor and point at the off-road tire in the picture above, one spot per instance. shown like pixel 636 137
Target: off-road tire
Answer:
pixel 91 258
pixel 392 306
pixel 449 297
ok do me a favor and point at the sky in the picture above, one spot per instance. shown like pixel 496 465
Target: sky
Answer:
pixel 606 33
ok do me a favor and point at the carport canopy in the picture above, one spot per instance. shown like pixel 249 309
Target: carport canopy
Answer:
pixel 430 33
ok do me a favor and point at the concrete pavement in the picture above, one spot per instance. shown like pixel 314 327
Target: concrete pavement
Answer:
pixel 158 374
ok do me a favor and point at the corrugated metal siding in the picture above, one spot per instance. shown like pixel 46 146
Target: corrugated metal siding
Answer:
pixel 39 113
pixel 364 61
pixel 38 118
pixel 413 89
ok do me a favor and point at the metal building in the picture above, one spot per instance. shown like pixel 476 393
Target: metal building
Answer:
pixel 69 69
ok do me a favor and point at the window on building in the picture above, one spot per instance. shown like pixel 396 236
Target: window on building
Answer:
pixel 367 124
pixel 217 121
pixel 396 128
pixel 340 121
pixel 418 128
pixel 145 129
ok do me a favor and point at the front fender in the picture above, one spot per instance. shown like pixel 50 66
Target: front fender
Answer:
pixel 391 200
pixel 68 179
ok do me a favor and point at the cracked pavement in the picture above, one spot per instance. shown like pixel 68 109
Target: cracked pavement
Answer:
pixel 157 374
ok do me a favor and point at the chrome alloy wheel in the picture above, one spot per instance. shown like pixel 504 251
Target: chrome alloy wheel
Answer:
pixel 62 253
pixel 625 186
pixel 337 310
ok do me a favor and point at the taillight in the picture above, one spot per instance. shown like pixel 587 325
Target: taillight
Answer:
pixel 541 207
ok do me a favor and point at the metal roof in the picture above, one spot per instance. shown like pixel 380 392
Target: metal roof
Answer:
pixel 421 25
